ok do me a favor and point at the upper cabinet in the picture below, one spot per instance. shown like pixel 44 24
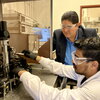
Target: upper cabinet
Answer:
pixel 90 16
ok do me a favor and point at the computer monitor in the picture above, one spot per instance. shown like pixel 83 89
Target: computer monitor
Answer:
pixel 43 33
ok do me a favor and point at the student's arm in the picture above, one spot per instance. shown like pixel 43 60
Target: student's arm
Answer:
pixel 53 66
pixel 40 91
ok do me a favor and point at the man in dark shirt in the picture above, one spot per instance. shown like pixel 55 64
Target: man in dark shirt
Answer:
pixel 64 38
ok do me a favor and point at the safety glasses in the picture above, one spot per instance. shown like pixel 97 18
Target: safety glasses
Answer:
pixel 78 61
pixel 68 26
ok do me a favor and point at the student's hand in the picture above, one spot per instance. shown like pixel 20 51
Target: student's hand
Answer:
pixel 14 68
pixel 29 54
pixel 17 70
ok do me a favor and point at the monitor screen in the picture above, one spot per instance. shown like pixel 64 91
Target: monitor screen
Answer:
pixel 43 33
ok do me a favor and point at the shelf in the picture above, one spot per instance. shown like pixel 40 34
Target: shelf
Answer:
pixel 92 22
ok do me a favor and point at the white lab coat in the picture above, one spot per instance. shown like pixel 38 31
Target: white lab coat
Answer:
pixel 89 90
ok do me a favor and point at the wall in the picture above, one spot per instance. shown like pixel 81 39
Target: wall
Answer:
pixel 61 6
pixel 19 42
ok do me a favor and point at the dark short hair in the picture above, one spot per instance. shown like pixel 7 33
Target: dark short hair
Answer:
pixel 90 47
pixel 71 16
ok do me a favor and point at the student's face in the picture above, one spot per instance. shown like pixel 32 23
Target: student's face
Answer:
pixel 81 65
pixel 69 29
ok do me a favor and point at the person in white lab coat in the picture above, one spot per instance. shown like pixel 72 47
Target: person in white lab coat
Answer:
pixel 85 69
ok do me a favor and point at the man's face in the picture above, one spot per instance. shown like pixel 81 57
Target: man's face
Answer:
pixel 80 63
pixel 69 29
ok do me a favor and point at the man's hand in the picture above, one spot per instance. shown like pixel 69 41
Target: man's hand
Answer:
pixel 17 70
pixel 29 54
pixel 15 67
